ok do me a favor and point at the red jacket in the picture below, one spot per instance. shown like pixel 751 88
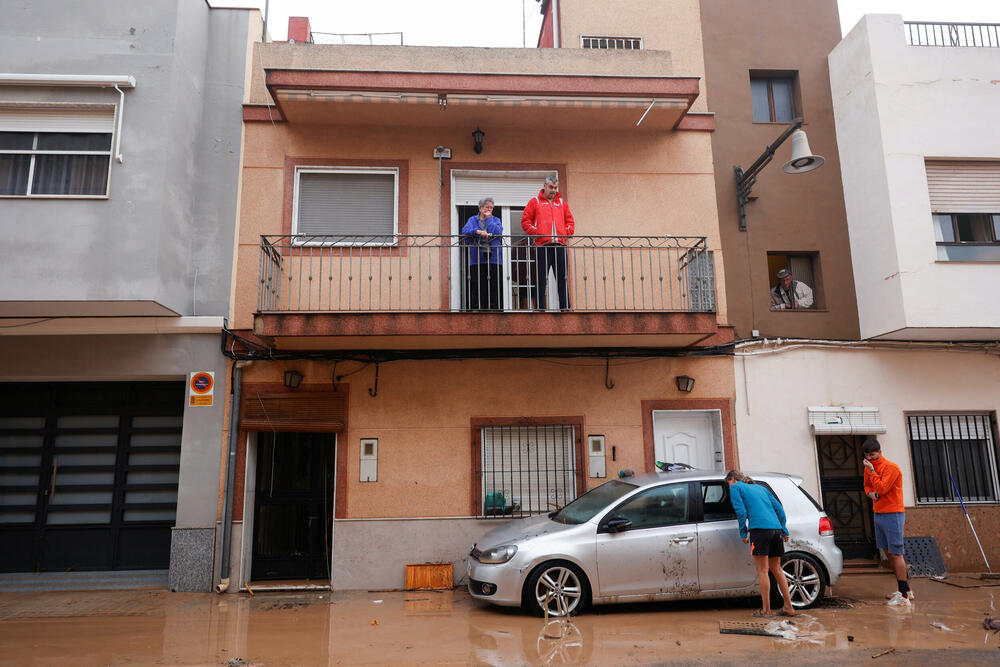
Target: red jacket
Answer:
pixel 543 218
pixel 887 482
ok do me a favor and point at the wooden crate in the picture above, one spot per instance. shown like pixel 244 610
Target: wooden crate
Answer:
pixel 429 575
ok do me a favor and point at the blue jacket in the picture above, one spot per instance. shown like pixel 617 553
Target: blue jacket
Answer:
pixel 477 251
pixel 754 502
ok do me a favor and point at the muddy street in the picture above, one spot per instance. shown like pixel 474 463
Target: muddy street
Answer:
pixel 447 627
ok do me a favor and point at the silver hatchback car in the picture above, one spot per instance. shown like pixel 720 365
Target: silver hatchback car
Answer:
pixel 654 536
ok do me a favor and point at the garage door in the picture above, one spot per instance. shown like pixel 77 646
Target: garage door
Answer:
pixel 88 475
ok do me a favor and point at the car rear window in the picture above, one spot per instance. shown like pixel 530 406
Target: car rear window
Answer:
pixel 811 499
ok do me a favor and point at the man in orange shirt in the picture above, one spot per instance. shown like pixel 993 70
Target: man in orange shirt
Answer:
pixel 884 485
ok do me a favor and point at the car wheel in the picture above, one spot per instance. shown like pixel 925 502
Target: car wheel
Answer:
pixel 805 581
pixel 559 587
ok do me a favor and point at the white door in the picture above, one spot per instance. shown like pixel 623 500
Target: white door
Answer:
pixel 693 437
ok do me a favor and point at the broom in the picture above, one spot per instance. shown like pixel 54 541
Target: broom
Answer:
pixel 969 519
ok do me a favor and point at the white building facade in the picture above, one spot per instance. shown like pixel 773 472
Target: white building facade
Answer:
pixel 915 107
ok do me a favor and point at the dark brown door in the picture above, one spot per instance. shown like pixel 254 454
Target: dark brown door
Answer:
pixel 842 483
pixel 294 506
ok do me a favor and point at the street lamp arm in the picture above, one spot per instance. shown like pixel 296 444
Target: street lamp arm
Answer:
pixel 746 179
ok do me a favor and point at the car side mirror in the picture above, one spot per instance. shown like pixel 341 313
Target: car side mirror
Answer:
pixel 618 524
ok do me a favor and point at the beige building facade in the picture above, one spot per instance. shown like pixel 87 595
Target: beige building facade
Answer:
pixel 419 419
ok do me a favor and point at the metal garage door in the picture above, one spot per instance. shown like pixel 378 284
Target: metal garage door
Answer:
pixel 88 475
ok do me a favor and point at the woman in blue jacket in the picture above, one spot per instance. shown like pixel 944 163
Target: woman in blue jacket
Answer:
pixel 761 520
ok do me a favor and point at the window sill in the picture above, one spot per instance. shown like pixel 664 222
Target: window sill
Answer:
pixel 55 197
pixel 800 310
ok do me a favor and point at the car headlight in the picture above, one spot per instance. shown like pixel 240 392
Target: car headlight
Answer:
pixel 500 554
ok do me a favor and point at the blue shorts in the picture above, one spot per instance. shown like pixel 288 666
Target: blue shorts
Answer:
pixel 889 532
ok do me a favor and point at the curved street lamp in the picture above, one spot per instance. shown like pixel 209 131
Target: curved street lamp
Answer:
pixel 802 161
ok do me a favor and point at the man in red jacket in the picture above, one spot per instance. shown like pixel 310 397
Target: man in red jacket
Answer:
pixel 548 221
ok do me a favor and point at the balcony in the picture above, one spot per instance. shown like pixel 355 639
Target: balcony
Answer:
pixel 412 291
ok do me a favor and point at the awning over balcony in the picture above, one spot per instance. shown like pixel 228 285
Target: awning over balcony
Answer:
pixel 429 99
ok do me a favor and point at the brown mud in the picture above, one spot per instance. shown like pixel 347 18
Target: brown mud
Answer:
pixel 155 627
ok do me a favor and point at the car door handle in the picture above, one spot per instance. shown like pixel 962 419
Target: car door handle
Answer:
pixel 682 540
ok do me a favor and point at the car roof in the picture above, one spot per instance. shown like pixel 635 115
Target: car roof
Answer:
pixel 647 478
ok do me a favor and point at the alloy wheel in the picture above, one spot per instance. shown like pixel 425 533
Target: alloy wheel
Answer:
pixel 805 583
pixel 559 590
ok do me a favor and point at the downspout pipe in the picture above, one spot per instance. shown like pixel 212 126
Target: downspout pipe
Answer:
pixel 227 498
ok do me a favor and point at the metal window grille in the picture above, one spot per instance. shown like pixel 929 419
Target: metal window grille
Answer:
pixel 921 33
pixel 527 469
pixel 622 43
pixel 958 447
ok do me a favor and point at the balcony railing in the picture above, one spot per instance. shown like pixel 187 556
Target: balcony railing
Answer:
pixel 920 33
pixel 417 273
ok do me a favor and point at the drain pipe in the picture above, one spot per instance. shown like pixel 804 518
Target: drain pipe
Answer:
pixel 227 498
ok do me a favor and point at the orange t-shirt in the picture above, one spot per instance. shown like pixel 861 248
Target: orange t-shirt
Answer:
pixel 887 482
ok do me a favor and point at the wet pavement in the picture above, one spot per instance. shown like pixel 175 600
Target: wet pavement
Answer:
pixel 155 627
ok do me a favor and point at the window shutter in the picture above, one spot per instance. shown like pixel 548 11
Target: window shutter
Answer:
pixel 57 120
pixel 300 411
pixel 345 203
pixel 963 187
pixel 514 191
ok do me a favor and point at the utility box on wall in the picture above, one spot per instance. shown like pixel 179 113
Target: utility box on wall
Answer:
pixel 595 450
pixel 369 459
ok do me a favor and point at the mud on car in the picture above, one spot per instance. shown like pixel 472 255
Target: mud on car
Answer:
pixel 654 536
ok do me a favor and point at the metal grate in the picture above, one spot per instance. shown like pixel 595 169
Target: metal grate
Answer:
pixel 923 557
pixel 953 447
pixel 620 43
pixel 530 469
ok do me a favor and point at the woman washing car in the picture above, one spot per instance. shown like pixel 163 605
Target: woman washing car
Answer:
pixel 766 534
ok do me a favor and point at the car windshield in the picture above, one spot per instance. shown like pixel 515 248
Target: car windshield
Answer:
pixel 586 506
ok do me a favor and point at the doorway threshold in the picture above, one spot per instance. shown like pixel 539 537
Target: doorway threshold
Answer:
pixel 283 585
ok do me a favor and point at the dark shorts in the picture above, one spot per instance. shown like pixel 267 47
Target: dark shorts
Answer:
pixel 889 532
pixel 766 542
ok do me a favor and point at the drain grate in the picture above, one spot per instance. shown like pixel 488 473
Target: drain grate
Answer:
pixel 746 628
pixel 923 557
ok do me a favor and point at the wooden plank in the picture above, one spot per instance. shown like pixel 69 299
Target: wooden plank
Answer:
pixel 429 576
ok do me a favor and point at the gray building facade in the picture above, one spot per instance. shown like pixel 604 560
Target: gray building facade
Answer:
pixel 120 150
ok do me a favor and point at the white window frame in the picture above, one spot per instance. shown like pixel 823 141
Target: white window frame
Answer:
pixel 611 39
pixel 394 171
pixel 33 151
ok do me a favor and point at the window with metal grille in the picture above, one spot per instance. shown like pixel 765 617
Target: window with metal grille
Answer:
pixel 953 452
pixel 624 43
pixel 345 206
pixel 527 469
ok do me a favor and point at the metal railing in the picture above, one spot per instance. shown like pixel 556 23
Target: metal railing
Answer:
pixel 919 33
pixel 358 38
pixel 427 273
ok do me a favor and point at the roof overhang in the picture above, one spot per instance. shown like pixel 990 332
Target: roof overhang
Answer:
pixel 80 80
pixel 845 421
pixel 433 99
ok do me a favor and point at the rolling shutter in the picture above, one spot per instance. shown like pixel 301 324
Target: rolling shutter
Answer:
pixel 57 120
pixel 324 412
pixel 346 203
pixel 513 190
pixel 963 187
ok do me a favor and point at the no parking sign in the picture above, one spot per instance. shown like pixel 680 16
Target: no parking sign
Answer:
pixel 201 388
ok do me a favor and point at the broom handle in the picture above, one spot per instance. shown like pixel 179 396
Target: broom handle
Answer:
pixel 969 519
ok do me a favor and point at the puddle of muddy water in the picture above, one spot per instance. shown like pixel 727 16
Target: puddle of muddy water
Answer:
pixel 450 627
